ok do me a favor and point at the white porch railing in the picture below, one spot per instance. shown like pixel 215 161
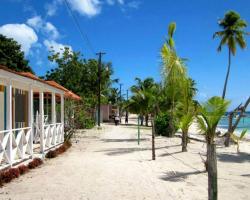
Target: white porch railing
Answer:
pixel 15 145
pixel 53 135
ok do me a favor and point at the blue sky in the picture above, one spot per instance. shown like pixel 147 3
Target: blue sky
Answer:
pixel 131 32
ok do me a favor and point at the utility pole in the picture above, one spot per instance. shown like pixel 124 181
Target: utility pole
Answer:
pixel 120 114
pixel 120 92
pixel 99 85
pixel 127 94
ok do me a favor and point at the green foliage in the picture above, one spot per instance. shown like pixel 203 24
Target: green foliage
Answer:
pixel 232 33
pixel 80 75
pixel 163 126
pixel 140 102
pixel 84 120
pixel 12 56
pixel 186 106
pixel 209 116
pixel 237 138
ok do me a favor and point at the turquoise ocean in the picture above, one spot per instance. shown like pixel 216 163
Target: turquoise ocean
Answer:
pixel 243 124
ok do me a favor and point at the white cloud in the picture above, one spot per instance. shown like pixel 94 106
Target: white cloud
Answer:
pixel 121 2
pixel 51 30
pixel 22 33
pixel 57 47
pixel 46 27
pixel 134 4
pixel 52 7
pixel 35 22
pixel 88 8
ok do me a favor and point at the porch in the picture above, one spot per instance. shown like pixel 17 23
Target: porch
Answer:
pixel 31 117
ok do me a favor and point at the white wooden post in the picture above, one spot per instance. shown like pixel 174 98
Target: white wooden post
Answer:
pixel 41 110
pixel 31 119
pixel 53 118
pixel 53 107
pixel 9 121
pixel 62 115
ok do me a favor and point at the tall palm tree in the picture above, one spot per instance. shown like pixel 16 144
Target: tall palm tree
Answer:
pixel 173 71
pixel 232 34
pixel 209 116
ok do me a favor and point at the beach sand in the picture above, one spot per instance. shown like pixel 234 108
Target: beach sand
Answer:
pixel 108 164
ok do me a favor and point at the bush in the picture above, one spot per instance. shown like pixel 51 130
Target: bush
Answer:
pixel 163 127
pixel 35 163
pixel 7 175
pixel 64 147
pixel 23 169
pixel 51 154
pixel 14 172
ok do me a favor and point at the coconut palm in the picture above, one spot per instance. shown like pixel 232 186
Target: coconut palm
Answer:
pixel 186 111
pixel 173 71
pixel 142 85
pixel 232 34
pixel 209 116
pixel 154 99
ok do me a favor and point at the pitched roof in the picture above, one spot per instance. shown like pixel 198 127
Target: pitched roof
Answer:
pixel 67 93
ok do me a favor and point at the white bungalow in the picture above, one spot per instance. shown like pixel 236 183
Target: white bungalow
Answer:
pixel 31 116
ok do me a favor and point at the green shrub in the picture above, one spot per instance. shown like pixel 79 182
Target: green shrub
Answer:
pixel 83 120
pixel 162 125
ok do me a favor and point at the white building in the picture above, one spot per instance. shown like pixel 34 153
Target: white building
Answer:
pixel 31 116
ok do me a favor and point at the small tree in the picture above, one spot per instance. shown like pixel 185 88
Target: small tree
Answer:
pixel 186 112
pixel 12 56
pixel 210 114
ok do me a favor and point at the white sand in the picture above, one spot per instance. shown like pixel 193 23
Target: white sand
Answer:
pixel 108 164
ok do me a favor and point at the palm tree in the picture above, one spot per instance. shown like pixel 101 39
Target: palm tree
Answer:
pixel 186 110
pixel 154 98
pixel 173 71
pixel 209 116
pixel 232 34
pixel 142 85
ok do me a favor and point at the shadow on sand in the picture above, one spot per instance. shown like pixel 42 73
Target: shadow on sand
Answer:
pixel 246 175
pixel 178 176
pixel 169 154
pixel 123 140
pixel 234 157
pixel 122 151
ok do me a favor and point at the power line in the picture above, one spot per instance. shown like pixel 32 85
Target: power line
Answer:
pixel 83 35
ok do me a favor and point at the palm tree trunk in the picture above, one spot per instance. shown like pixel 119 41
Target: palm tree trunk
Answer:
pixel 153 138
pixel 228 72
pixel 184 141
pixel 229 131
pixel 212 171
pixel 232 127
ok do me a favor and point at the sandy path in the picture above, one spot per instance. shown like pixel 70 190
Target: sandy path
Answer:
pixel 108 164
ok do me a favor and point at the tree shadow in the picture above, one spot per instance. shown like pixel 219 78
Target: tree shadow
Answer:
pixel 246 175
pixel 124 140
pixel 122 151
pixel 234 157
pixel 178 176
pixel 169 154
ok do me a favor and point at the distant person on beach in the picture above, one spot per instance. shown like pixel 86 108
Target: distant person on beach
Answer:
pixel 117 119
pixel 126 118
